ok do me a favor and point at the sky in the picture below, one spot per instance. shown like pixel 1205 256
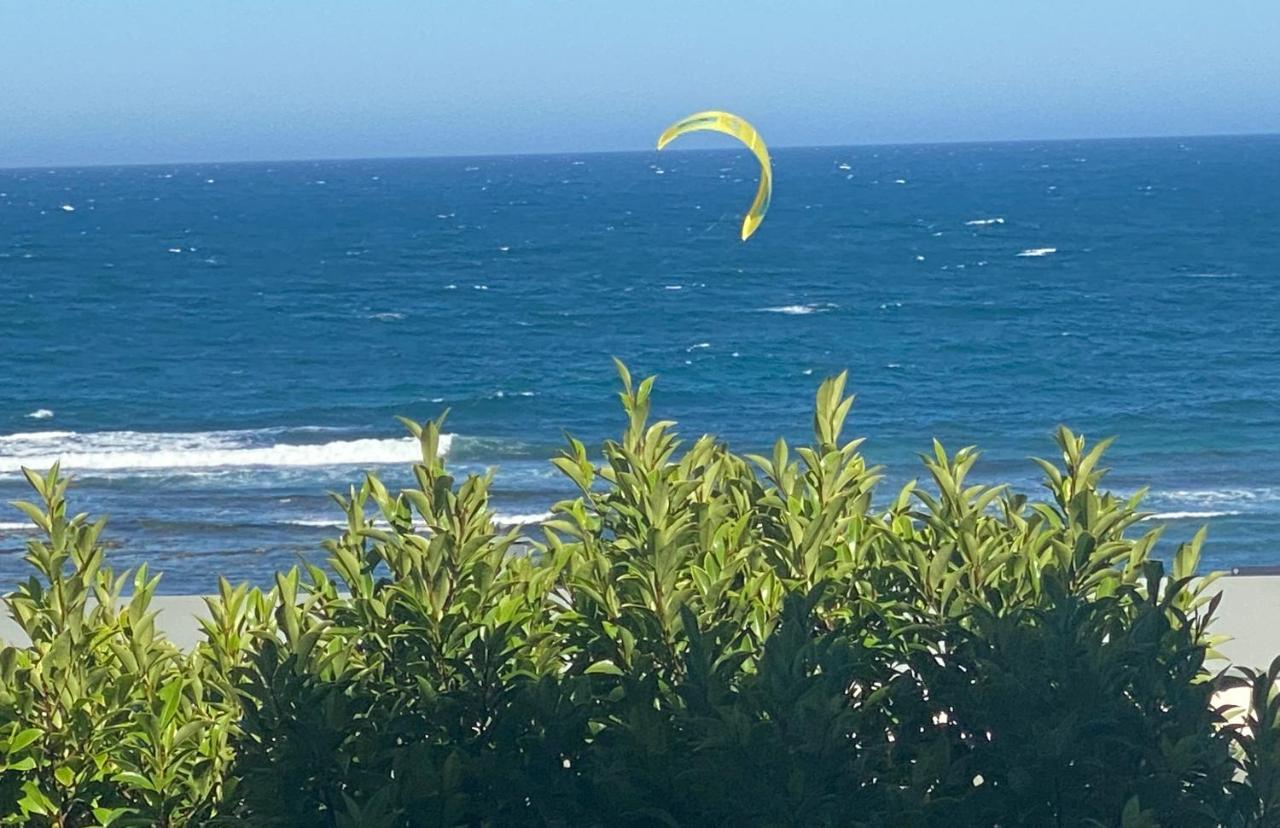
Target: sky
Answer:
pixel 136 81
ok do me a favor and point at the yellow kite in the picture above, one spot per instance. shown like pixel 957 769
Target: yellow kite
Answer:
pixel 730 124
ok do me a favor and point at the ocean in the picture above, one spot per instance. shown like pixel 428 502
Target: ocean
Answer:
pixel 211 348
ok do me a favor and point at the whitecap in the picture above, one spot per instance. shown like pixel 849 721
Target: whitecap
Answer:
pixel 40 414
pixel 386 316
pixel 67 208
pixel 1038 251
pixel 1189 515
pixel 697 346
pixel 802 310
pixel 673 287
pixel 985 222
pixel 521 518
pixel 1217 497
pixel 136 450
pixel 318 522
pixel 899 181
pixel 843 166
pixel 17 526
pixel 36 436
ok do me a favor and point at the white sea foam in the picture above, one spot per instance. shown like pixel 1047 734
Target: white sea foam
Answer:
pixel 40 414
pixel 801 310
pixel 318 523
pixel 520 519
pixel 985 222
pixel 505 519
pixel 135 450
pixel 17 526
pixel 1222 497
pixel 1038 251
pixel 1189 515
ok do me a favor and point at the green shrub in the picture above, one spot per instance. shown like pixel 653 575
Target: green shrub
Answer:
pixel 697 638
pixel 102 721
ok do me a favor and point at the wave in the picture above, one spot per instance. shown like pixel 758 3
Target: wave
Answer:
pixel 1038 251
pixel 985 222
pixel 801 310
pixel 40 414
pixel 1221 497
pixel 137 450
pixel 1189 515
pixel 17 526
pixel 499 519
pixel 519 519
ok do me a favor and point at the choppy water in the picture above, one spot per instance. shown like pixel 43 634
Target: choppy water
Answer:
pixel 211 348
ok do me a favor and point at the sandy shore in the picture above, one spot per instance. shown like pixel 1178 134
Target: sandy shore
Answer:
pixel 1249 613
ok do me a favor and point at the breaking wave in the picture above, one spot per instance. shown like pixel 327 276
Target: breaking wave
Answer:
pixel 130 450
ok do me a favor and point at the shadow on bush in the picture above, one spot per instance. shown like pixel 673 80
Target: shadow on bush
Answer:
pixel 698 638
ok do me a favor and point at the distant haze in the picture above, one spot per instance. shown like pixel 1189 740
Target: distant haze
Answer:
pixel 149 80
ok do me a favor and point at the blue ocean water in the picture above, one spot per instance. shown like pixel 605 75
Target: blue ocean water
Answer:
pixel 210 348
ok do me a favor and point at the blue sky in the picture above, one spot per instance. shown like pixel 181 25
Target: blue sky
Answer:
pixel 158 80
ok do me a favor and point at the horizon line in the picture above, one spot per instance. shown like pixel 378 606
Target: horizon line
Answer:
pixel 558 153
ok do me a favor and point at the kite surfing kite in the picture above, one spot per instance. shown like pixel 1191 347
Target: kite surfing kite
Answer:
pixel 716 121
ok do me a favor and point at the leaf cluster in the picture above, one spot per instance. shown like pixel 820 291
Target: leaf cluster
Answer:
pixel 696 638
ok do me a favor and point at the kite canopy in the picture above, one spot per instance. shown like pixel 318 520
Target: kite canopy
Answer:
pixel 716 121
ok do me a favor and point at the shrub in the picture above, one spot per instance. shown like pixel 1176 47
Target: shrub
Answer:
pixel 696 638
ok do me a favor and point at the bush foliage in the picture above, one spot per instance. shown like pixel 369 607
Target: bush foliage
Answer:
pixel 697 638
